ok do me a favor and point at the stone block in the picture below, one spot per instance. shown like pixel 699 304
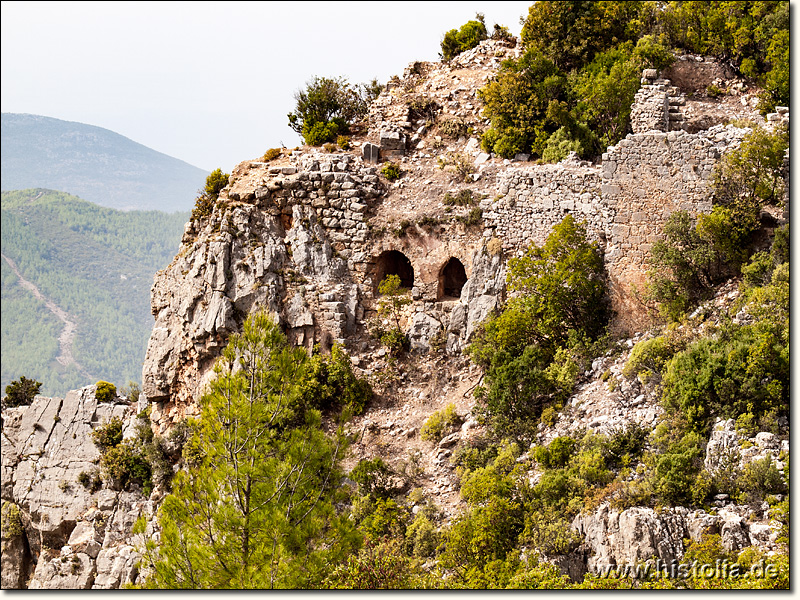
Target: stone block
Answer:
pixel 370 152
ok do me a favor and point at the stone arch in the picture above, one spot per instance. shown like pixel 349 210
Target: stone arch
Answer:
pixel 393 262
pixel 452 278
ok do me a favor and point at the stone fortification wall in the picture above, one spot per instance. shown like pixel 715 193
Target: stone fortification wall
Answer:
pixel 647 177
pixel 657 105
pixel 532 200
pixel 625 202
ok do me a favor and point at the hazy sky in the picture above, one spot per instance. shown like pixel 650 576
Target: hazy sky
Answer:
pixel 207 82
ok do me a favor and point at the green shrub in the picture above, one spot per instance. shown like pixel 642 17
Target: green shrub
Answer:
pixel 207 200
pixel 557 454
pixel 685 267
pixel 465 38
pixel 326 108
pixel 21 392
pixel 454 128
pixel 271 154
pixel 106 392
pixel 549 532
pixel 385 518
pixel 759 478
pixel 343 142
pixel 393 299
pixel 12 521
pixel 649 357
pixel 373 477
pixel 462 198
pixel 377 566
pixel 531 350
pixel 440 424
pixel 391 171
pixel 559 145
pixel 713 91
pixel 473 219
pixel 331 383
pixel 108 435
pixel 422 539
pixel 123 465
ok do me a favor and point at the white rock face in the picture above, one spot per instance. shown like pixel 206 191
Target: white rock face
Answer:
pixel 67 528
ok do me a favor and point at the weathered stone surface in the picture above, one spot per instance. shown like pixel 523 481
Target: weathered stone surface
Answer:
pixel 371 152
pixel 423 328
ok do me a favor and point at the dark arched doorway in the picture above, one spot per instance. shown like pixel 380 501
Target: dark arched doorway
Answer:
pixel 452 278
pixel 393 262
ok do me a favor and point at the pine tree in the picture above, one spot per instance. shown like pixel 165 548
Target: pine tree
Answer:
pixel 257 509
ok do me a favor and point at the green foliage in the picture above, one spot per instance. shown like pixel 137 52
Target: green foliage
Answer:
pixel 207 200
pixel 331 384
pixel 462 198
pixel 649 357
pixel 557 454
pixel 571 34
pixel 377 566
pixel 268 479
pixel 752 35
pixel 743 370
pixel 383 517
pixel 107 435
pixel 95 263
pixel 391 171
pixel 684 267
pixel 271 154
pixel 326 109
pixel 373 477
pixel 516 101
pixel 105 392
pixel 559 145
pixel 440 424
pixel 465 38
pixel 759 478
pixel 562 284
pixel 12 521
pixel 422 538
pixel 479 536
pixel 473 218
pixel 393 299
pixel 530 350
pixel 21 392
pixel 343 142
pixel 123 464
pixel 549 532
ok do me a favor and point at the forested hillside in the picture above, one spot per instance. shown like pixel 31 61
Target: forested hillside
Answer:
pixel 94 163
pixel 97 265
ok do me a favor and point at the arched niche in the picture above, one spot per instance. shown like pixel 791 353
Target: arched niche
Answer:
pixel 452 278
pixel 393 262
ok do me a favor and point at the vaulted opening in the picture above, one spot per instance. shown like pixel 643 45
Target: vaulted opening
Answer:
pixel 393 262
pixel 451 279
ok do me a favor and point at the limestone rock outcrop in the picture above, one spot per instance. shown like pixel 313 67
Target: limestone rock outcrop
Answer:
pixel 67 536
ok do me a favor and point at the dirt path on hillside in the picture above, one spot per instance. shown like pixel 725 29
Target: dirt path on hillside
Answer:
pixel 67 336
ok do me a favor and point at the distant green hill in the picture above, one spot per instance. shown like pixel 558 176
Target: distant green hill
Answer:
pixel 95 263
pixel 94 163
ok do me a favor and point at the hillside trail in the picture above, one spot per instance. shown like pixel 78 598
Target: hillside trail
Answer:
pixel 67 336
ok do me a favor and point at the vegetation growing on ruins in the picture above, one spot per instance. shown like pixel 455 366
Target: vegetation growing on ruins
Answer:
pixel 574 84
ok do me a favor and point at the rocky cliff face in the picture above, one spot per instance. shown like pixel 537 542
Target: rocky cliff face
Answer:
pixel 61 534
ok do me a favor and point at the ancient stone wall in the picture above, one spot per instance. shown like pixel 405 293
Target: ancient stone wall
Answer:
pixel 532 200
pixel 625 202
